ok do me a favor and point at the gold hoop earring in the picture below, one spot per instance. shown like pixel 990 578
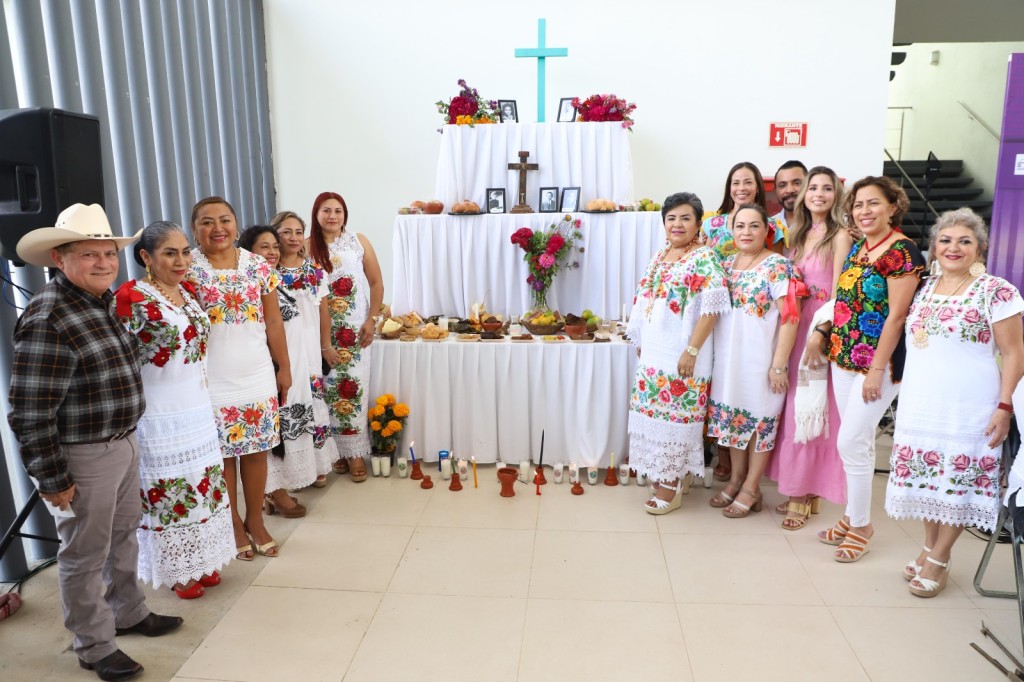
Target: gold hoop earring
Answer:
pixel 977 269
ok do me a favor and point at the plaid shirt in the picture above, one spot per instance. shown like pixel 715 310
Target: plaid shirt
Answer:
pixel 75 378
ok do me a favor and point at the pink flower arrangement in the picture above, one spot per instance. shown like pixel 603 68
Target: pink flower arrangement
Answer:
pixel 545 251
pixel 605 108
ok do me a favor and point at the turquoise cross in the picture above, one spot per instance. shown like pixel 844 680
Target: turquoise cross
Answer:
pixel 541 52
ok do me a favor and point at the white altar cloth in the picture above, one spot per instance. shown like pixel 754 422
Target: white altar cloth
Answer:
pixel 491 400
pixel 443 264
pixel 592 156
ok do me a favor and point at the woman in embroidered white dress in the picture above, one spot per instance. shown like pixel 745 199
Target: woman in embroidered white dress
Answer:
pixel 955 404
pixel 185 533
pixel 677 301
pixel 356 290
pixel 752 347
pixel 236 288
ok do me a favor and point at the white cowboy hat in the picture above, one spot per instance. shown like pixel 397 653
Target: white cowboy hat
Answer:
pixel 76 223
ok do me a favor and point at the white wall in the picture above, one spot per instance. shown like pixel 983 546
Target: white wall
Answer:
pixel 973 73
pixel 352 87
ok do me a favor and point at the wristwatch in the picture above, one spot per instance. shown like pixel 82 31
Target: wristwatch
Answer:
pixel 692 350
pixel 778 370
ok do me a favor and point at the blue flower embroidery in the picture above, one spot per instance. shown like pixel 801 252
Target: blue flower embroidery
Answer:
pixel 871 323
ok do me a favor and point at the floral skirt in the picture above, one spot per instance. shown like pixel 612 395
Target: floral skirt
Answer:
pixel 185 531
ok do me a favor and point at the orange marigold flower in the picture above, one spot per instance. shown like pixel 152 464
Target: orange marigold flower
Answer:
pixel 394 426
pixel 375 426
pixel 401 410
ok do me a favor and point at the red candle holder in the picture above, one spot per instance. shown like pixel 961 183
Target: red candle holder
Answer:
pixel 417 471
pixel 540 479
pixel 426 483
pixel 611 478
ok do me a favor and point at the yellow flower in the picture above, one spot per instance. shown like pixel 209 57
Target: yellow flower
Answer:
pixel 661 381
pixel 338 305
pixel 344 407
pixel 344 357
pixel 383 400
pixel 401 410
pixel 394 426
pixel 391 399
pixel 377 411
pixel 849 277
pixel 375 426
pixel 236 433
pixel 252 313
pixel 216 314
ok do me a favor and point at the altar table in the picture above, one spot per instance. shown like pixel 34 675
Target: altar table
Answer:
pixel 492 400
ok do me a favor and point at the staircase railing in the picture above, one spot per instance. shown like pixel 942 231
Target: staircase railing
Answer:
pixel 912 184
pixel 979 120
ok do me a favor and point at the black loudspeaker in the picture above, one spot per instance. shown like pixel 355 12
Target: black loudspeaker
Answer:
pixel 49 159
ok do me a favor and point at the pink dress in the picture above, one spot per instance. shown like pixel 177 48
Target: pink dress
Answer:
pixel 812 468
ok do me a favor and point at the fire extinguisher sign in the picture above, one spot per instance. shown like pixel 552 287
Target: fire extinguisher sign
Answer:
pixel 787 134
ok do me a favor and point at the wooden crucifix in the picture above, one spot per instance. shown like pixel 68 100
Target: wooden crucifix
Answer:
pixel 522 167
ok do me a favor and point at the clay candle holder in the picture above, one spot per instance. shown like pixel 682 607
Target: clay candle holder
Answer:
pixel 577 488
pixel 610 478
pixel 540 479
pixel 508 477
pixel 426 483
pixel 456 484
pixel 417 470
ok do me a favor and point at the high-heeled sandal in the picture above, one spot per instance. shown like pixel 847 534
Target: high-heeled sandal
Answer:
pixel 320 481
pixel 723 498
pixel 797 514
pixel 738 510
pixel 211 580
pixel 813 500
pixel 340 466
pixel 836 534
pixel 722 473
pixel 357 469
pixel 662 506
pixel 913 569
pixel 272 505
pixel 926 587
pixel 265 548
pixel 194 592
pixel 853 548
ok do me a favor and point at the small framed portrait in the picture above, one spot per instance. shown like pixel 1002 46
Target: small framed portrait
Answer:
pixel 548 199
pixel 566 111
pixel 570 200
pixel 507 111
pixel 495 200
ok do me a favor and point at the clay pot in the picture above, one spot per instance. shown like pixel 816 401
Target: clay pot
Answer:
pixel 577 488
pixel 456 484
pixel 540 479
pixel 426 483
pixel 508 477
pixel 611 478
pixel 417 471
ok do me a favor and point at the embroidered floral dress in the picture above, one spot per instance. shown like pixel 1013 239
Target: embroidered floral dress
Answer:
pixel 305 422
pixel 243 386
pixel 742 405
pixel 719 237
pixel 345 389
pixel 666 410
pixel 185 531
pixel 814 467
pixel 862 304
pixel 941 466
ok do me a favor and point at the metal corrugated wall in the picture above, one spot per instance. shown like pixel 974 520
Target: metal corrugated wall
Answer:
pixel 180 89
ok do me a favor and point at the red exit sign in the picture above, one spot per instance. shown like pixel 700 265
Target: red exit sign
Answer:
pixel 787 134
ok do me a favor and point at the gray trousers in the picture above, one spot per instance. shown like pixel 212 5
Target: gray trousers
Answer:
pixel 99 553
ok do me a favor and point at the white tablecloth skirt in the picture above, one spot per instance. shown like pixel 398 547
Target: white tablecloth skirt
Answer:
pixel 592 156
pixel 491 400
pixel 443 264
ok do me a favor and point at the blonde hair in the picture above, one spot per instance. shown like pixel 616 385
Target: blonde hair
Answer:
pixel 802 222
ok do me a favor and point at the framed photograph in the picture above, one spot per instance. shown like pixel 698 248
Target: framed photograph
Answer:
pixel 548 199
pixel 566 111
pixel 570 200
pixel 507 111
pixel 495 200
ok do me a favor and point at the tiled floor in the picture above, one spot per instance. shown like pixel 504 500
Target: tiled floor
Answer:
pixel 385 581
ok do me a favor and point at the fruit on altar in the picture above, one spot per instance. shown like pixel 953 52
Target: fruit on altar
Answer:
pixel 404 211
pixel 601 205
pixel 466 206
pixel 433 207
pixel 421 205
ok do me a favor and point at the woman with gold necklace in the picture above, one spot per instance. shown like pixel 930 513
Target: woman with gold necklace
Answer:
pixel 866 343
pixel 955 404
pixel 236 288
pixel 751 371
pixel 674 311
pixel 185 532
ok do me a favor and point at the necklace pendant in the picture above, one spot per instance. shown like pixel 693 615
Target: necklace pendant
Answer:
pixel 921 338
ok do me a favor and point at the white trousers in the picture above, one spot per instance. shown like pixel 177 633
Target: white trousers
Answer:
pixel 856 440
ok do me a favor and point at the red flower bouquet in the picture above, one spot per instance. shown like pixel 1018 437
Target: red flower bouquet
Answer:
pixel 468 108
pixel 546 251
pixel 598 108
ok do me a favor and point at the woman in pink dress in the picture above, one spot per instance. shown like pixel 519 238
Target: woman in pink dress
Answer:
pixel 805 471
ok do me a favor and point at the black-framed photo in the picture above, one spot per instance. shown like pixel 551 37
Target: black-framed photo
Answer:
pixel 549 200
pixel 507 111
pixel 566 111
pixel 495 200
pixel 570 200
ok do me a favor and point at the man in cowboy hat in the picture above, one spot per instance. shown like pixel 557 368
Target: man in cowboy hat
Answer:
pixel 76 396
